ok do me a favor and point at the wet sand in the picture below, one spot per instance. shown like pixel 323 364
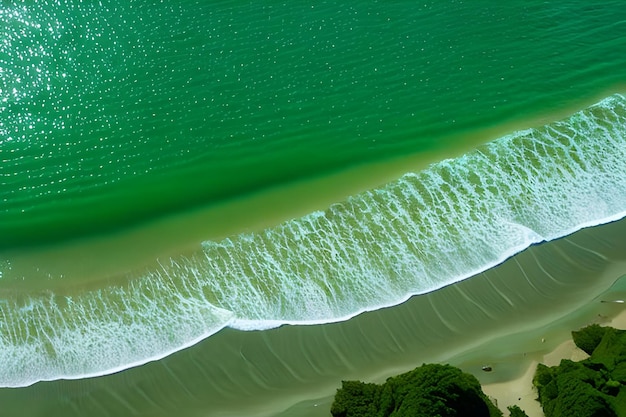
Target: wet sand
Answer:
pixel 523 308
pixel 520 341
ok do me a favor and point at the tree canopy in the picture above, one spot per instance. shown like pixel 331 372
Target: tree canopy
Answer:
pixel 427 391
pixel 589 338
pixel 594 387
pixel 515 411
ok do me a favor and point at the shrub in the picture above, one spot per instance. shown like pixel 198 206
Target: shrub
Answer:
pixel 430 390
pixel 588 338
pixel 515 411
pixel 355 399
pixel 593 387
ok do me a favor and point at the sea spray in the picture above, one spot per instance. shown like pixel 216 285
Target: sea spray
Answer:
pixel 424 231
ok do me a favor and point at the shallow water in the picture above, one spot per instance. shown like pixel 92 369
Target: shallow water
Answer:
pixel 250 165
pixel 268 372
pixel 426 230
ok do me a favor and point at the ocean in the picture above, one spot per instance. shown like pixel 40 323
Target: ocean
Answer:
pixel 208 174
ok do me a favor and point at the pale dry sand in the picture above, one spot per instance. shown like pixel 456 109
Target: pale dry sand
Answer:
pixel 520 391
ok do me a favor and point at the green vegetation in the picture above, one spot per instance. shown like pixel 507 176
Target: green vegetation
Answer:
pixel 594 387
pixel 589 337
pixel 428 391
pixel 515 411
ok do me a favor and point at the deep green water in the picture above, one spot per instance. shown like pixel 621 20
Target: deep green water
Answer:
pixel 116 119
pixel 114 113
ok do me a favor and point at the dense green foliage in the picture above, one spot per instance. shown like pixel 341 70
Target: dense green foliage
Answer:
pixel 515 411
pixel 589 337
pixel 594 387
pixel 428 391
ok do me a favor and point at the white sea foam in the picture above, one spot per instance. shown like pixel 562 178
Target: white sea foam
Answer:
pixel 426 230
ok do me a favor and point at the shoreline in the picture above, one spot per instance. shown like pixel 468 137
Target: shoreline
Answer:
pixel 460 353
pixel 214 208
pixel 300 367
pixel 513 355
pixel 520 391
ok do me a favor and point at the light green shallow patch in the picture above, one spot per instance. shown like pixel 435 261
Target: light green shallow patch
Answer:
pixel 266 373
pixel 426 230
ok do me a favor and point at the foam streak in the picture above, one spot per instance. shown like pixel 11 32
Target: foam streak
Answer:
pixel 424 231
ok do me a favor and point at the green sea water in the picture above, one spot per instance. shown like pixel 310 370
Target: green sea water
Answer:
pixel 172 169
pixel 114 113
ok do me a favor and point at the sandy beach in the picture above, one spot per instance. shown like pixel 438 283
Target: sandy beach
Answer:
pixel 520 391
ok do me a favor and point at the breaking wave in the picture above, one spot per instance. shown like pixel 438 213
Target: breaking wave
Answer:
pixel 424 231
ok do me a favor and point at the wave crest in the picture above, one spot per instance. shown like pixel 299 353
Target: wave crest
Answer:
pixel 426 230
